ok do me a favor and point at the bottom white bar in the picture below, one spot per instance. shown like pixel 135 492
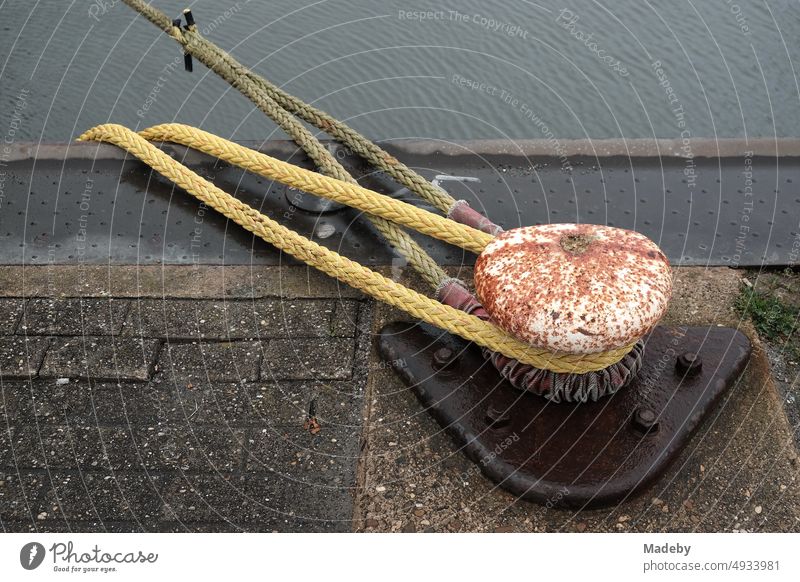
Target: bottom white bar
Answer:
pixel 332 557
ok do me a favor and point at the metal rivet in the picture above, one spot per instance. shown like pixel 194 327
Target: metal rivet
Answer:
pixel 496 418
pixel 644 420
pixel 442 358
pixel 689 363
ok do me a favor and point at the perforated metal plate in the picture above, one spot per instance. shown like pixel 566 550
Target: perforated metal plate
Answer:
pixel 566 454
pixel 110 211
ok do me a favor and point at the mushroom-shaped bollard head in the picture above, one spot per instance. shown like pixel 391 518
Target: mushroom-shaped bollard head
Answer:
pixel 575 288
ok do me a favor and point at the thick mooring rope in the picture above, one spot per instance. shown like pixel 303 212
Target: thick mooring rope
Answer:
pixel 331 263
pixel 347 193
pixel 233 72
pixel 258 91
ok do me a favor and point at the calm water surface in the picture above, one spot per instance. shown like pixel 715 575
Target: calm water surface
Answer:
pixel 467 69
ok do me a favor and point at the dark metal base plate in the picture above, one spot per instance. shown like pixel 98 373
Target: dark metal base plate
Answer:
pixel 564 454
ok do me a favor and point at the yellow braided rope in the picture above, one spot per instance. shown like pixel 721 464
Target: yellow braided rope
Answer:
pixel 353 195
pixel 419 306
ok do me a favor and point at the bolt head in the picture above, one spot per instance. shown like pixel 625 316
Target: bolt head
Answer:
pixel 689 364
pixel 644 420
pixel 442 358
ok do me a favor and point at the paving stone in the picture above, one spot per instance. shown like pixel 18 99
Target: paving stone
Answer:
pixel 124 404
pixel 201 363
pixel 257 504
pixel 21 357
pixel 51 401
pixel 345 318
pixel 323 359
pixel 155 448
pixel 229 404
pixel 193 527
pixel 207 498
pixel 221 320
pixel 67 447
pixel 100 358
pixel 276 404
pixel 101 495
pixel 186 319
pixel 294 455
pixel 78 317
pixel 299 506
pixel 10 313
pixel 208 449
pixel 20 495
pixel 105 496
pixel 222 404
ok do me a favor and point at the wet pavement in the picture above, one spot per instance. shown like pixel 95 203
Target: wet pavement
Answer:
pixel 170 414
pixel 179 398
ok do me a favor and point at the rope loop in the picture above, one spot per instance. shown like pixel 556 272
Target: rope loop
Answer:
pixel 467 326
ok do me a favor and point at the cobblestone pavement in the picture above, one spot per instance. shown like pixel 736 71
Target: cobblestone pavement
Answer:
pixel 178 399
pixel 174 414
